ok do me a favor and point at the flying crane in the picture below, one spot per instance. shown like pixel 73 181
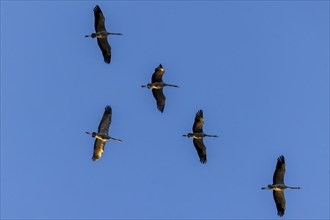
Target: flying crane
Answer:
pixel 102 135
pixel 101 34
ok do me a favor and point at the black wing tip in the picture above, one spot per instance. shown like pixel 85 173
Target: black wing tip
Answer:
pixel 159 68
pixel 95 158
pixel 281 159
pixel 203 159
pixel 97 8
pixel 107 57
pixel 280 213
pixel 161 108
pixel 108 109
pixel 199 113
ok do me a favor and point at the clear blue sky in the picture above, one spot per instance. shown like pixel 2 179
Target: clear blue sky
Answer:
pixel 259 70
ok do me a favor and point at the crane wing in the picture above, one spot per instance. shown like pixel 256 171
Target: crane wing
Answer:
pixel 201 150
pixel 160 98
pixel 157 76
pixel 99 19
pixel 278 177
pixel 105 121
pixel 279 201
pixel 105 48
pixel 98 149
pixel 199 122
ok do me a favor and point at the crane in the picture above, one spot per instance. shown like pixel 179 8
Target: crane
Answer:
pixel 101 34
pixel 102 135
pixel 198 136
pixel 157 86
pixel 278 186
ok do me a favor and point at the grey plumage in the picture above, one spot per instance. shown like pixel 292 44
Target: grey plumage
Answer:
pixel 198 136
pixel 201 150
pixel 101 34
pixel 278 178
pixel 198 143
pixel 160 99
pixel 157 86
pixel 102 135
pixel 278 186
pixel 100 27
pixel 199 122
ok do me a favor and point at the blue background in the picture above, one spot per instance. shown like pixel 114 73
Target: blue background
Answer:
pixel 259 70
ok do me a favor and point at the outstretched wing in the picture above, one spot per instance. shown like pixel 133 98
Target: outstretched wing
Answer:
pixel 160 98
pixel 105 48
pixel 105 121
pixel 157 76
pixel 98 149
pixel 199 122
pixel 278 177
pixel 99 19
pixel 201 150
pixel 279 201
